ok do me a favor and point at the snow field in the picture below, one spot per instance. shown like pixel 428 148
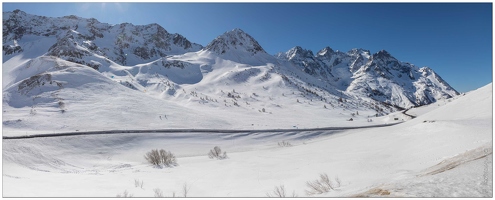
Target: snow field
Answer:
pixel 395 159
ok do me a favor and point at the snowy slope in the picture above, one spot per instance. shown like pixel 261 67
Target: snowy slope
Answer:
pixel 443 153
pixel 53 95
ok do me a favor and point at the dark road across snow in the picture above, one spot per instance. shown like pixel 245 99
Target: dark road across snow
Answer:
pixel 190 131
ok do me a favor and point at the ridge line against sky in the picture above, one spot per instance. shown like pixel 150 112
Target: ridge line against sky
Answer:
pixel 454 39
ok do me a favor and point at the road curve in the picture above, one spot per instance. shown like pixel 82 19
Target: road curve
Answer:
pixel 411 116
pixel 188 131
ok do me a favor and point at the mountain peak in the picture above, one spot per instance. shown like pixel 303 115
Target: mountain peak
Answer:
pixel 17 11
pixel 238 31
pixel 359 51
pixel 383 55
pixel 383 52
pixel 325 51
pixel 298 51
pixel 235 39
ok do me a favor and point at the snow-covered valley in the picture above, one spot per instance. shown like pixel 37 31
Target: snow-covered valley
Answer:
pixel 445 152
pixel 418 137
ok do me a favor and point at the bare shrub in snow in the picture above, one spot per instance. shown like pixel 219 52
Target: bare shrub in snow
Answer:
pixel 138 183
pixel 158 192
pixel 279 191
pixel 167 158
pixel 284 144
pixel 153 157
pixel 322 185
pixel 337 182
pixel 217 153
pixel 158 157
pixel 185 190
pixel 125 194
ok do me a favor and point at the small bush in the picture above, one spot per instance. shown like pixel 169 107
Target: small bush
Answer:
pixel 284 144
pixel 158 192
pixel 125 194
pixel 216 152
pixel 280 192
pixel 167 158
pixel 138 183
pixel 153 157
pixel 185 190
pixel 323 185
pixel 158 157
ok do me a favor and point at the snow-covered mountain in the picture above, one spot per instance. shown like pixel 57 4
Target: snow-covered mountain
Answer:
pixel 238 46
pixel 379 76
pixel 78 39
pixel 235 40
pixel 233 79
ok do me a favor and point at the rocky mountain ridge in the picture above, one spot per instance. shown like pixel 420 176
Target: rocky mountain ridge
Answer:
pixel 147 58
pixel 379 76
pixel 76 37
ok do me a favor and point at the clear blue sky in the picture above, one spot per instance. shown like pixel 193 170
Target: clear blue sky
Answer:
pixel 453 39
